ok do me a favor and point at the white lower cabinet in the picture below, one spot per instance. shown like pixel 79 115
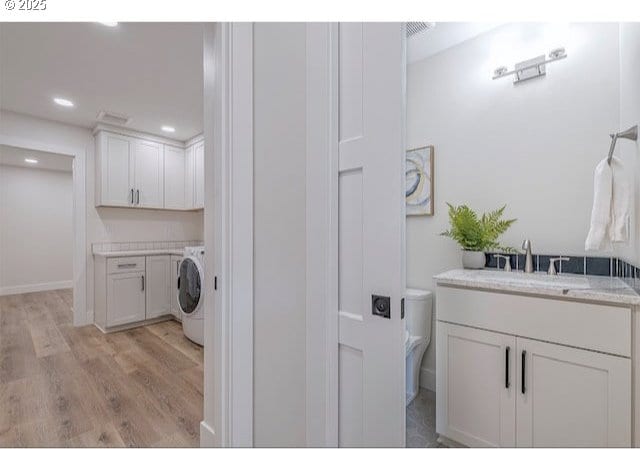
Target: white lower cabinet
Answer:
pixel 175 273
pixel 133 289
pixel 570 397
pixel 125 298
pixel 158 289
pixel 476 376
pixel 497 386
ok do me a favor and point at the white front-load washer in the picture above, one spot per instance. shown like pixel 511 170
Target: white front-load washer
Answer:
pixel 190 294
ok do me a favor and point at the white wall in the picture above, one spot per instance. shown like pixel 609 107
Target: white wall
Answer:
pixel 629 116
pixel 36 229
pixel 531 146
pixel 279 234
pixel 102 224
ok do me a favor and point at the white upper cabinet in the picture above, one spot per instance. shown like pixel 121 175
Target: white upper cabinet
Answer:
pixel 194 176
pixel 140 172
pixel 174 178
pixel 199 175
pixel 114 180
pixel 148 173
pixel 189 178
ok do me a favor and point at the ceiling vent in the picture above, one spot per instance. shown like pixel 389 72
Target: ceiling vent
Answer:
pixel 113 118
pixel 414 28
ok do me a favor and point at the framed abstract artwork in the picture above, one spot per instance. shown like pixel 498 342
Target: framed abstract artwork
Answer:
pixel 419 181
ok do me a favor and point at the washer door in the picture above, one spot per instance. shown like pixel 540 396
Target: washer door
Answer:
pixel 190 285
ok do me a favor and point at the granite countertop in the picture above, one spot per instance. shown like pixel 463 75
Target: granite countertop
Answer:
pixel 587 288
pixel 140 252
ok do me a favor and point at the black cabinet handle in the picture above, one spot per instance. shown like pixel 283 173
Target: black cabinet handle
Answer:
pixel 138 196
pixel 524 360
pixel 143 282
pixel 507 384
pixel 132 197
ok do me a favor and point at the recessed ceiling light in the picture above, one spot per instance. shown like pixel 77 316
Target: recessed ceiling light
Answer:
pixel 168 129
pixel 31 161
pixel 109 24
pixel 63 102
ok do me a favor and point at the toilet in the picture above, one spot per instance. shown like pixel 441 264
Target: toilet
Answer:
pixel 418 308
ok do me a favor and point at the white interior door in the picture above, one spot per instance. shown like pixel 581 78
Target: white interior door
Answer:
pixel 370 353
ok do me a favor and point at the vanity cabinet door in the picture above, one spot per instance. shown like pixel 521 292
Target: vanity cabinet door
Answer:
pixel 476 386
pixel 571 397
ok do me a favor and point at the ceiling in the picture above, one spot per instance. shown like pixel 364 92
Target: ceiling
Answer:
pixel 444 35
pixel 151 72
pixel 48 161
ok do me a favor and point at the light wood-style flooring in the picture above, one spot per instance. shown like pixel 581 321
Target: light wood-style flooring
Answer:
pixel 67 386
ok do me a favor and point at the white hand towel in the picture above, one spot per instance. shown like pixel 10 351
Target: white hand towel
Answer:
pixel 622 199
pixel 599 234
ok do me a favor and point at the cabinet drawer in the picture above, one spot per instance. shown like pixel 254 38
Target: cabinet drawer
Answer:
pixel 583 325
pixel 125 264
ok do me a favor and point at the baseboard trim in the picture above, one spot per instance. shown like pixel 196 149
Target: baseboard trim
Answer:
pixel 428 379
pixel 32 288
pixel 207 435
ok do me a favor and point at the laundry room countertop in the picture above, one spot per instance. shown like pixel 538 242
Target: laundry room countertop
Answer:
pixel 140 252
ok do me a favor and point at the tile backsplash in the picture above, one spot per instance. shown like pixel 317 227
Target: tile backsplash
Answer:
pixel 130 246
pixel 597 266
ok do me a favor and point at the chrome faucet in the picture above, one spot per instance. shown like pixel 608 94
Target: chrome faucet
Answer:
pixel 528 262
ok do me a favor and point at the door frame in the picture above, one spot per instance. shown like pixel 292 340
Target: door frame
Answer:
pixel 322 235
pixel 322 158
pixel 82 314
pixel 228 235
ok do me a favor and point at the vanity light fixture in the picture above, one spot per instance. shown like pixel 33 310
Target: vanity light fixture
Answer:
pixel 31 161
pixel 531 68
pixel 109 24
pixel 168 129
pixel 63 102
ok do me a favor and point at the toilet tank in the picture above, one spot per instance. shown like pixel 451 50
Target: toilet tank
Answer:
pixel 418 311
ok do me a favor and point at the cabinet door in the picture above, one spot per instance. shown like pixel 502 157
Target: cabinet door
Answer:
pixel 175 273
pixel 174 177
pixel 148 173
pixel 475 383
pixel 189 178
pixel 158 297
pixel 125 298
pixel 116 156
pixel 199 175
pixel 571 397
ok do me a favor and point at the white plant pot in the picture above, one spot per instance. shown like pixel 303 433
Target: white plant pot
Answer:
pixel 473 260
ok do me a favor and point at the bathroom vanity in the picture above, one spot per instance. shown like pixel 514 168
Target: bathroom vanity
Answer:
pixel 532 360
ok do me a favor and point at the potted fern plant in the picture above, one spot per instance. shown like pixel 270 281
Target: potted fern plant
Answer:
pixel 475 235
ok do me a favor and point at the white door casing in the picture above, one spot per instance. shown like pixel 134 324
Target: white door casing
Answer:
pixel 228 224
pixel 371 220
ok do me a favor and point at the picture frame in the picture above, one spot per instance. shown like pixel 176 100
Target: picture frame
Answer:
pixel 419 175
